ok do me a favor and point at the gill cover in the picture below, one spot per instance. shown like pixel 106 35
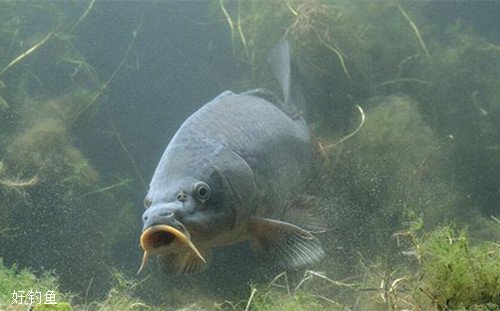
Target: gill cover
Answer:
pixel 236 173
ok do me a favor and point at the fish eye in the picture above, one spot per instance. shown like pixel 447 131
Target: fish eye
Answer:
pixel 202 191
pixel 147 202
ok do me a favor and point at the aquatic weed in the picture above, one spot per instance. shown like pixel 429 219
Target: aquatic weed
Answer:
pixel 457 274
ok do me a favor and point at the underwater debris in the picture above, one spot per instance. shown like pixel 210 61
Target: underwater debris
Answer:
pixel 318 20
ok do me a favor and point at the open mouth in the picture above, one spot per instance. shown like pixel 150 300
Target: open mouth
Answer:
pixel 159 236
pixel 156 238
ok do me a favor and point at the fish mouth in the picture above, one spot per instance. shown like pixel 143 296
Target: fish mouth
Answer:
pixel 156 237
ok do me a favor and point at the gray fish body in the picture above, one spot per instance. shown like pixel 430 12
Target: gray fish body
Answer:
pixel 275 147
pixel 232 165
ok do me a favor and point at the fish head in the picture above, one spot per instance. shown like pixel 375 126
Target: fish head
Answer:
pixel 185 210
pixel 193 209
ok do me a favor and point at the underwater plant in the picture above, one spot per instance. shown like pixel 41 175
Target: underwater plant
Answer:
pixel 453 272
pixel 15 285
pixel 53 197
pixel 404 105
pixel 456 274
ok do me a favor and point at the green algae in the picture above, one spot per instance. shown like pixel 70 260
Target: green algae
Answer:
pixel 120 297
pixel 456 274
pixel 57 307
pixel 445 271
pixel 52 194
pixel 427 154
pixel 13 280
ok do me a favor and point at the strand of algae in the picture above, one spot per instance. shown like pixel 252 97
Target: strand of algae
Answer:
pixel 239 27
pixel 321 39
pixel 360 125
pixel 415 29
pixel 33 181
pixel 309 274
pixel 405 80
pixel 339 55
pixel 129 155
pixel 254 290
pixel 90 101
pixel 103 87
pixel 43 41
pixel 294 12
pixel 324 150
pixel 242 34
pixel 84 15
pixel 87 104
pixel 19 184
pixel 28 52
pixel 110 187
pixel 489 47
pixel 228 19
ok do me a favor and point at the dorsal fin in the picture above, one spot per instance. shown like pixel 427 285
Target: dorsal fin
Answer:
pixel 269 96
pixel 280 62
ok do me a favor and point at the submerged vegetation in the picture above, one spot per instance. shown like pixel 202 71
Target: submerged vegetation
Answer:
pixel 15 280
pixel 404 108
pixel 447 273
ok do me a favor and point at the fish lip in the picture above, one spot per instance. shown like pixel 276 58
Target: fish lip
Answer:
pixel 158 237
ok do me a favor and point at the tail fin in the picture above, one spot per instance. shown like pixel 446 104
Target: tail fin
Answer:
pixel 280 62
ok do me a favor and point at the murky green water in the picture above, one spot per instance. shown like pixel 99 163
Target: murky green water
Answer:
pixel 403 99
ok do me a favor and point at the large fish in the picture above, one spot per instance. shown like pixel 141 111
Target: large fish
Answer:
pixel 229 172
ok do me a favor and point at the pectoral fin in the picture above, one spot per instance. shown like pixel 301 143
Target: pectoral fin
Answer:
pixel 183 263
pixel 307 211
pixel 292 246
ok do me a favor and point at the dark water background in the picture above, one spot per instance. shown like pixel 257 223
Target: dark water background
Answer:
pixel 174 56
